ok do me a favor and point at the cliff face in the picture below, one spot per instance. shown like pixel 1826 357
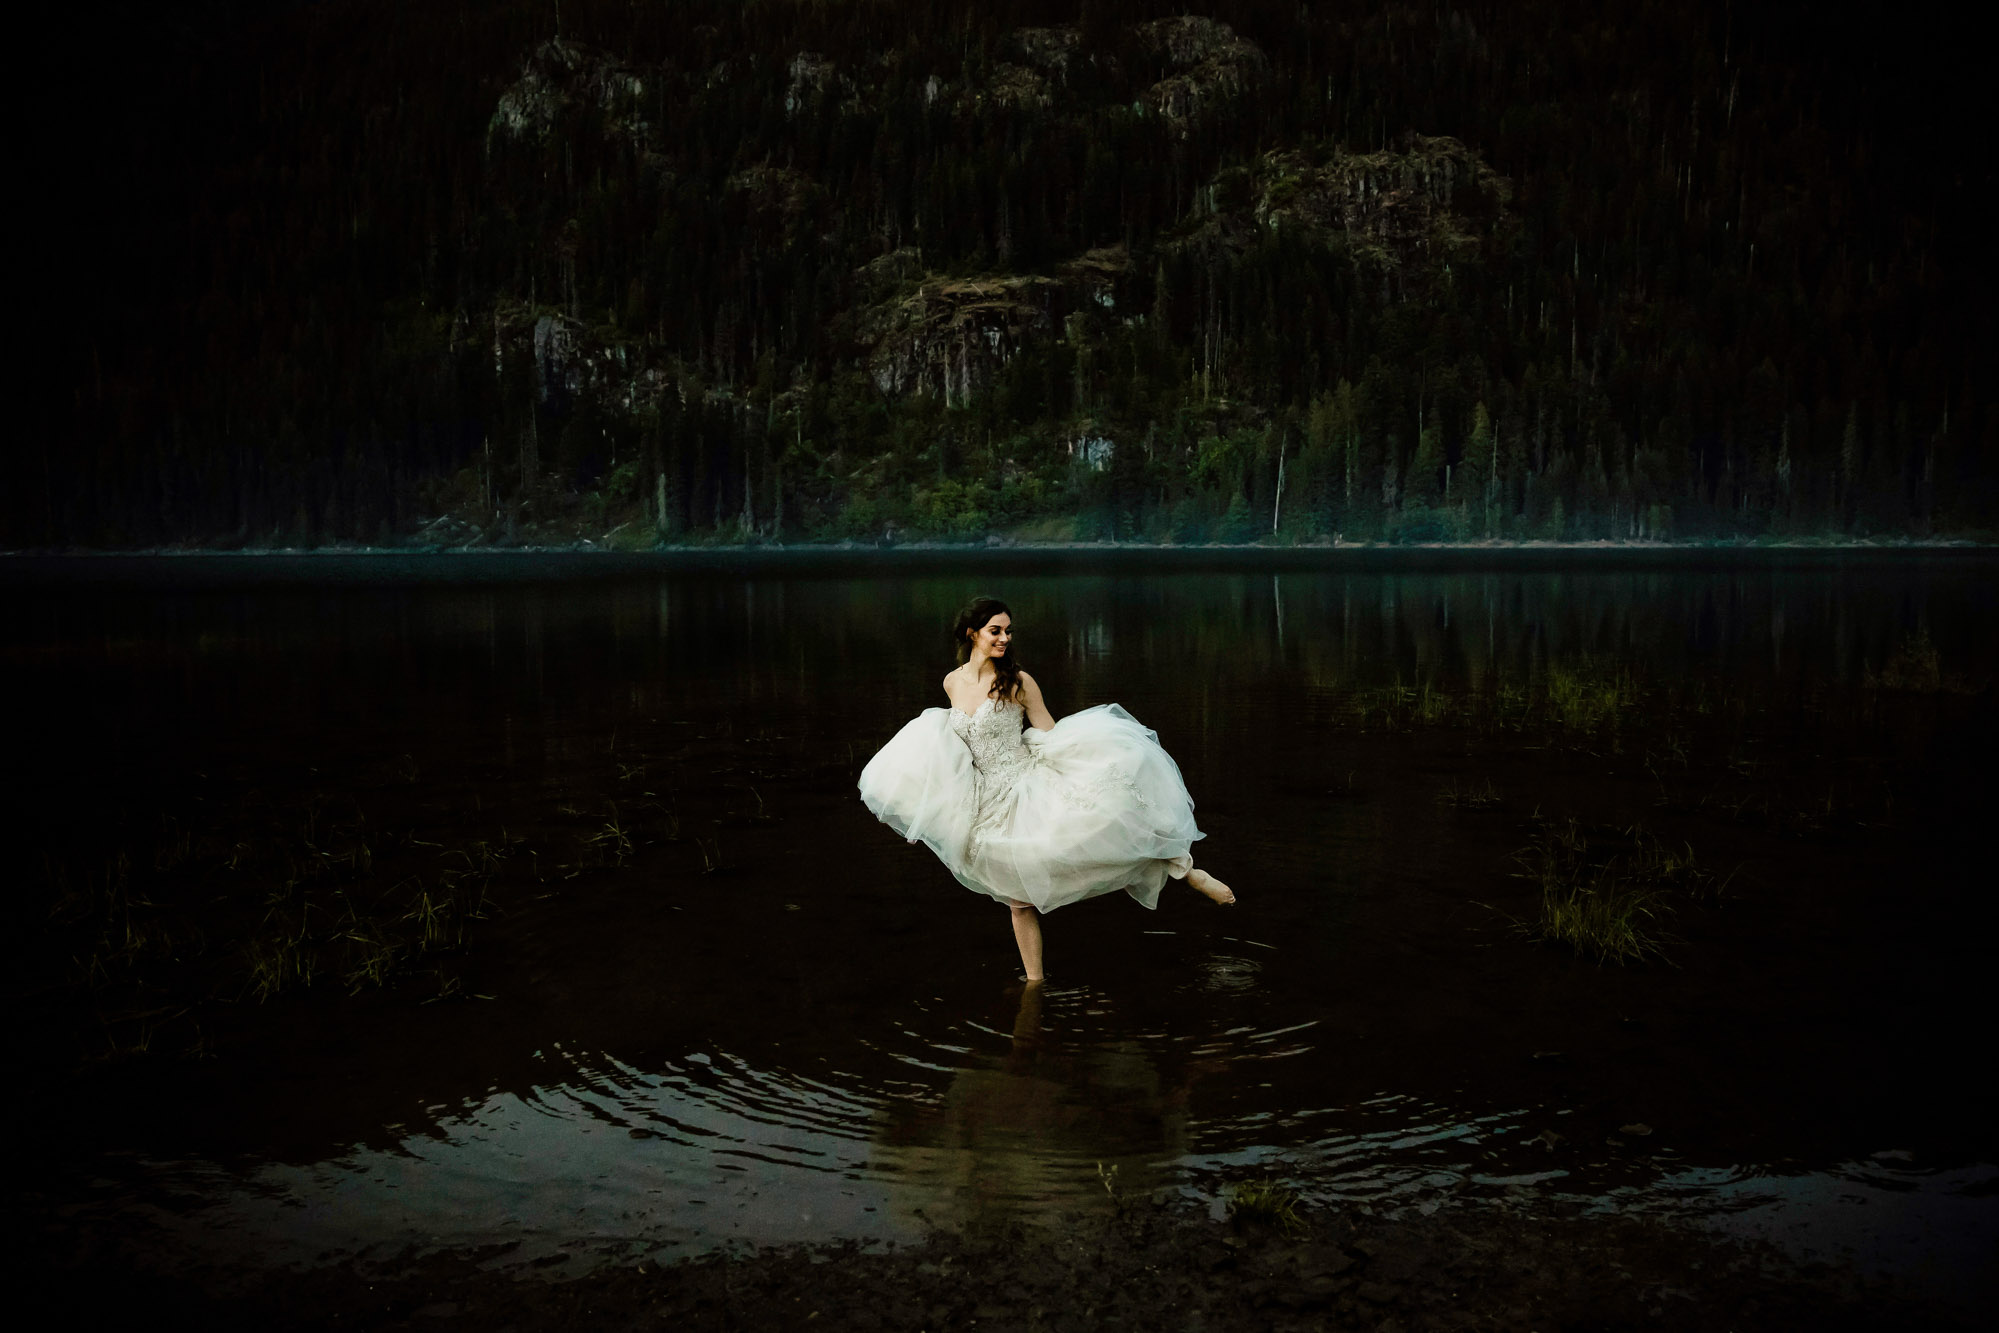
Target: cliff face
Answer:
pixel 803 270
pixel 1411 211
pixel 1210 64
pixel 914 329
pixel 562 82
pixel 950 336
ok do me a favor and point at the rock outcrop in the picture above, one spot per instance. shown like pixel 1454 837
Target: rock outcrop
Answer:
pixel 1210 64
pixel 560 77
pixel 950 336
pixel 1428 203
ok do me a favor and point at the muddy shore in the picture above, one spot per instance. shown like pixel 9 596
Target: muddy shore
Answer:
pixel 1145 1266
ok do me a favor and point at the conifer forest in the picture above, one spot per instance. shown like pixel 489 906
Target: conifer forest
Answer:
pixel 492 272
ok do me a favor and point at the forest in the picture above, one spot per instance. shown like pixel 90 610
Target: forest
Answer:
pixel 638 273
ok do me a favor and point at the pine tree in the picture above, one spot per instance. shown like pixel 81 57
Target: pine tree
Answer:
pixel 1850 462
pixel 1424 486
pixel 1480 471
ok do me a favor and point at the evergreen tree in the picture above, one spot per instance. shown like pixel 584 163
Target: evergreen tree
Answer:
pixel 1480 471
pixel 1424 487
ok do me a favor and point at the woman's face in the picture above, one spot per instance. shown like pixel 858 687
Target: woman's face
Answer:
pixel 993 637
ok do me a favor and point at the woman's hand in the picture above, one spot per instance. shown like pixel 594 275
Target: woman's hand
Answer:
pixel 1037 711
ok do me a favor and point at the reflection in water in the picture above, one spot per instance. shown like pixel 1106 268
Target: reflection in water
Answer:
pixel 1934 1225
pixel 1052 1121
pixel 695 1066
pixel 607 1160
pixel 436 658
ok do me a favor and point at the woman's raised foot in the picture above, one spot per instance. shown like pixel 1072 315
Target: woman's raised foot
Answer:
pixel 1209 887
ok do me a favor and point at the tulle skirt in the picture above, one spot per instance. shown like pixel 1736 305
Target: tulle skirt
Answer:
pixel 1099 806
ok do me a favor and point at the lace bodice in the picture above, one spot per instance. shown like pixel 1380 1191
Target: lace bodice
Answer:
pixel 996 740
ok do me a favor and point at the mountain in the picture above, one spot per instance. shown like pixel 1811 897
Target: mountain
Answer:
pixel 504 273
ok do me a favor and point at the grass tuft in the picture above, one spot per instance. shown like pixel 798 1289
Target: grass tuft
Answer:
pixel 1585 699
pixel 1604 920
pixel 610 845
pixel 1607 902
pixel 1266 1203
pixel 1471 796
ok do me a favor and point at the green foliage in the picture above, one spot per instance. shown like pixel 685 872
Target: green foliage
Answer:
pixel 952 509
pixel 1266 1203
pixel 1583 697
pixel 1605 897
pixel 1425 484
pixel 1419 523
pixel 1602 920
pixel 1239 524
pixel 1220 461
pixel 622 484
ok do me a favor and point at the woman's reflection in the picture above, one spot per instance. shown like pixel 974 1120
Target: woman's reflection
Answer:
pixel 1023 1132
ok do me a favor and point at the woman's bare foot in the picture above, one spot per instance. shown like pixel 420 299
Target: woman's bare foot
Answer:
pixel 1201 882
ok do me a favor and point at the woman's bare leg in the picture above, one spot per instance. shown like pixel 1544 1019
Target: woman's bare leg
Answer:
pixel 1027 934
pixel 1207 885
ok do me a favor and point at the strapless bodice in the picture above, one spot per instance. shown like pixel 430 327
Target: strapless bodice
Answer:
pixel 995 737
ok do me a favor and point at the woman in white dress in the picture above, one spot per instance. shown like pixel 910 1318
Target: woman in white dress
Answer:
pixel 1033 812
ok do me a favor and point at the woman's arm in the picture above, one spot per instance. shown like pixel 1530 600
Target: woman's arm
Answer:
pixel 1037 711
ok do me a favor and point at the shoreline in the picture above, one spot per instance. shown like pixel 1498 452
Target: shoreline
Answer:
pixel 441 564
pixel 1131 1264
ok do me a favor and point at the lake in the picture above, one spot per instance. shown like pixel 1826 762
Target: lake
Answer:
pixel 373 913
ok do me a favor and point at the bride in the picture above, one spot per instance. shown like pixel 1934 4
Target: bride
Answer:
pixel 1034 812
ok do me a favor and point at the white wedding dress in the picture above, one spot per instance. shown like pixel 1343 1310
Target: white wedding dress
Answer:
pixel 1042 817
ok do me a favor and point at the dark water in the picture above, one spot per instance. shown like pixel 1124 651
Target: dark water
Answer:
pixel 824 1037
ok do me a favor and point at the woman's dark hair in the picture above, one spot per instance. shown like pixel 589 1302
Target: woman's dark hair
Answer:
pixel 973 617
